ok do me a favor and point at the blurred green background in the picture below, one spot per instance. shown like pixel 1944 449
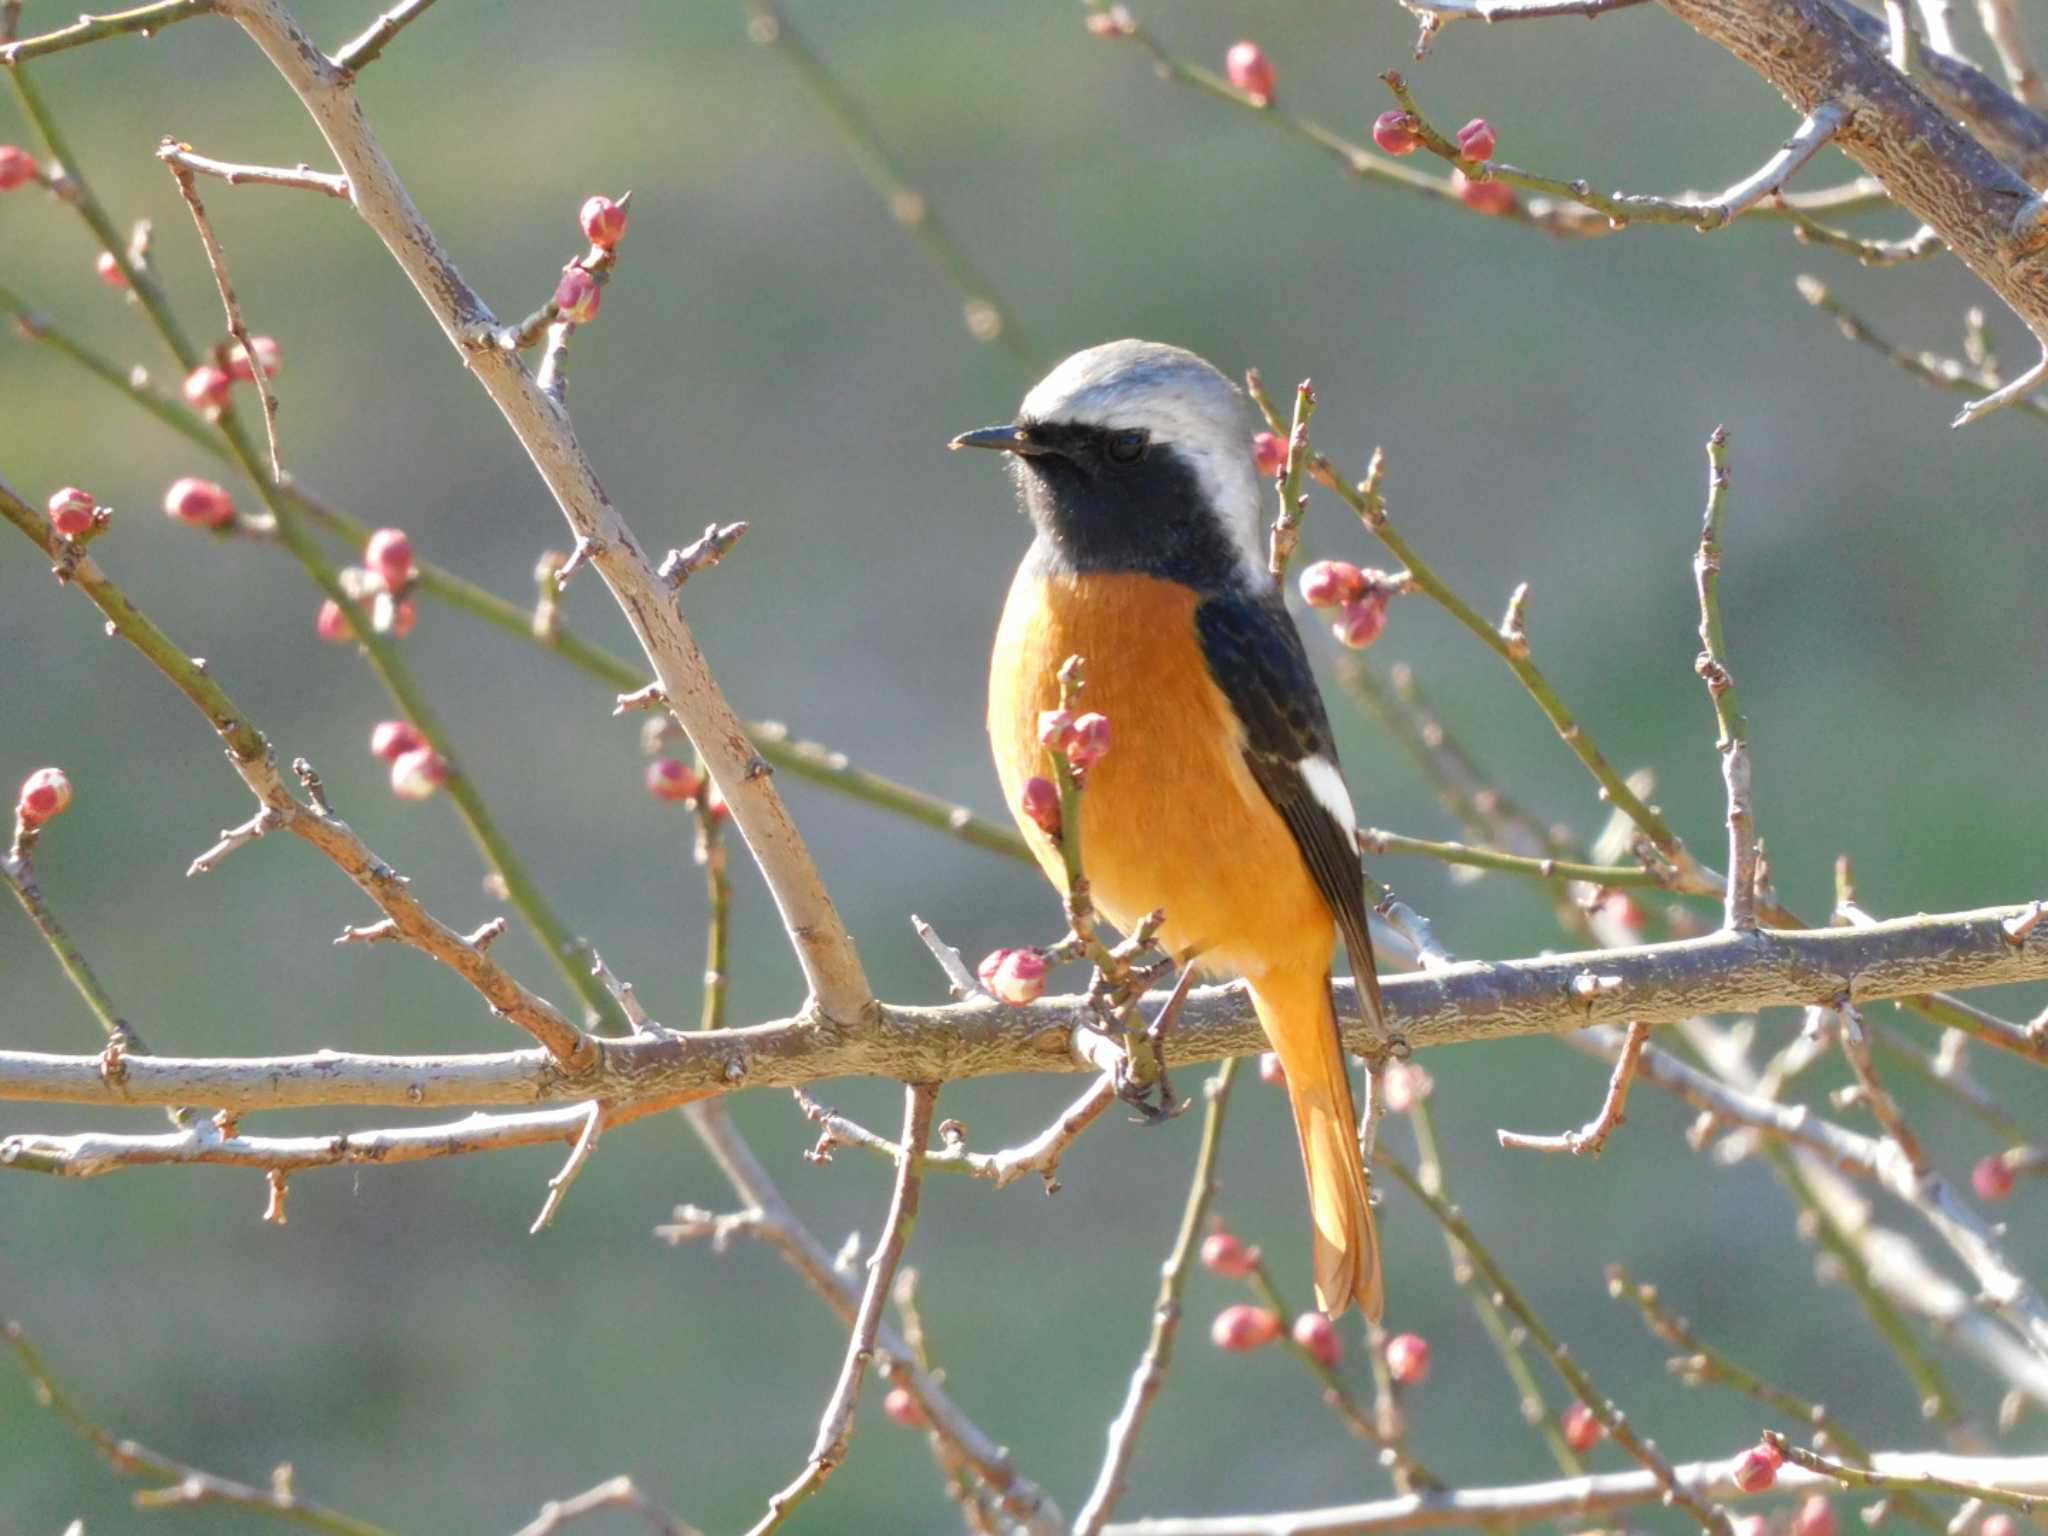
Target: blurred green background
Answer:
pixel 774 348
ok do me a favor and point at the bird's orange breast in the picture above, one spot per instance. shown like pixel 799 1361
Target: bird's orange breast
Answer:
pixel 1171 817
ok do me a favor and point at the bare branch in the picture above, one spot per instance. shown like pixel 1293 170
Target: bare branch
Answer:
pixel 1739 906
pixel 301 176
pixel 616 1493
pixel 146 19
pixel 367 47
pixel 1592 1136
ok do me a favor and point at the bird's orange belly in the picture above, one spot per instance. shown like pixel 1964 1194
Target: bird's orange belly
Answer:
pixel 1171 817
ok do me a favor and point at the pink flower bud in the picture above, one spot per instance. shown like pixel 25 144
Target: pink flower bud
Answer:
pixel 1489 197
pixel 1757 1468
pixel 1326 583
pixel 1250 71
pixel 2000 1524
pixel 331 624
pixel 1992 1178
pixel 418 773
pixel 389 555
pixel 1408 1358
pixel 1403 1085
pixel 201 503
pixel 1270 1070
pixel 266 356
pixel 108 266
pixel 899 1404
pixel 1055 728
pixel 1582 1429
pixel 1040 801
pixel 17 167
pixel 670 778
pixel 1244 1327
pixel 392 739
pixel 577 296
pixel 1224 1253
pixel 1013 976
pixel 1359 622
pixel 71 511
pixel 44 794
pixel 1089 743
pixel 603 221
pixel 1318 1335
pixel 1816 1517
pixel 1269 451
pixel 206 389
pixel 1475 140
pixel 1391 131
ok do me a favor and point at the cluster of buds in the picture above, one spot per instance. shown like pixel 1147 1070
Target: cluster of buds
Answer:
pixel 1250 71
pixel 378 586
pixel 1408 1359
pixel 44 794
pixel 1756 1469
pixel 74 513
pixel 208 386
pixel 199 503
pixel 417 770
pixel 670 778
pixel 17 167
pixel 1013 976
pixel 1083 738
pixel 1359 596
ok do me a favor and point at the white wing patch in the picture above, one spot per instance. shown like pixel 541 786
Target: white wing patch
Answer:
pixel 1327 785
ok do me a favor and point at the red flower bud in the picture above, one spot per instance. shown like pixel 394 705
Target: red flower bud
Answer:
pixel 1327 583
pixel 1391 131
pixel 1360 621
pixel 577 296
pixel 71 511
pixel 1816 1517
pixel 899 1404
pixel 200 503
pixel 1089 743
pixel 603 221
pixel 1491 197
pixel 1992 1178
pixel 1476 140
pixel 108 266
pixel 1318 1335
pixel 389 555
pixel 17 167
pixel 392 739
pixel 1757 1468
pixel 1582 1430
pixel 1270 1070
pixel 1224 1253
pixel 1408 1358
pixel 1244 1327
pixel 1040 801
pixel 206 388
pixel 418 773
pixel 670 778
pixel 1250 71
pixel 266 355
pixel 1013 976
pixel 1055 728
pixel 1269 451
pixel 44 794
pixel 331 624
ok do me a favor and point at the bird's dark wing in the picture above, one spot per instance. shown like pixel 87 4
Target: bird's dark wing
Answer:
pixel 1256 656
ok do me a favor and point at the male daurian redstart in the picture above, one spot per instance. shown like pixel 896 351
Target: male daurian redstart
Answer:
pixel 1221 800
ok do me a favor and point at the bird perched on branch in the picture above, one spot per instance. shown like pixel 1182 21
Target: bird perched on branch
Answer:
pixel 1221 800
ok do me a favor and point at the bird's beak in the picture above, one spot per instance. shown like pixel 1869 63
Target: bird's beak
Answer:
pixel 1005 439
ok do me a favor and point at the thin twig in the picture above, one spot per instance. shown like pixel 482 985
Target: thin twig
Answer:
pixel 1929 367
pixel 1592 1136
pixel 368 46
pixel 146 19
pixel 614 1493
pixel 1739 906
pixel 301 176
pixel 1917 1482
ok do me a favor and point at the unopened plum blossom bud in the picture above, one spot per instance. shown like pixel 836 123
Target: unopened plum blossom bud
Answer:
pixel 1476 140
pixel 1270 1070
pixel 1040 801
pixel 71 511
pixel 17 167
pixel 1269 452
pixel 603 221
pixel 1250 71
pixel 1013 976
pixel 206 388
pixel 1582 1429
pixel 1360 621
pixel 1992 1178
pixel 266 356
pixel 1816 1517
pixel 900 1405
pixel 1244 1327
pixel 389 555
pixel 2000 1524
pixel 199 502
pixel 1089 743
pixel 1404 1085
pixel 1391 131
pixel 670 778
pixel 331 624
pixel 1757 1468
pixel 108 266
pixel 577 296
pixel 44 794
pixel 1055 728
pixel 1408 1358
pixel 1326 583
pixel 1489 196
pixel 1318 1335
pixel 392 739
pixel 1225 1253
pixel 418 773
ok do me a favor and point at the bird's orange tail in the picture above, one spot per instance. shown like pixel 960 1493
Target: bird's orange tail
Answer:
pixel 1301 1021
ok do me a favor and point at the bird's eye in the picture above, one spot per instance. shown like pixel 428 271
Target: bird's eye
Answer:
pixel 1128 447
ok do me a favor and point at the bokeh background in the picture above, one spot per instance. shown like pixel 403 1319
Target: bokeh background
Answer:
pixel 775 348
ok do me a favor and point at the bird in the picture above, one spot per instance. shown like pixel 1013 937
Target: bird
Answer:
pixel 1221 800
